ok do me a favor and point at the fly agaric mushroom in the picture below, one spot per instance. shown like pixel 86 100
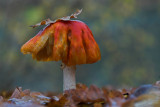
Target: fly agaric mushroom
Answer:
pixel 70 41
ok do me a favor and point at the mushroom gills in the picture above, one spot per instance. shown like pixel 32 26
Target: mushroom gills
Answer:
pixel 46 52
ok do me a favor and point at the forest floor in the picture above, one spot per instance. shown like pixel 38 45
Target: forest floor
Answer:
pixel 83 96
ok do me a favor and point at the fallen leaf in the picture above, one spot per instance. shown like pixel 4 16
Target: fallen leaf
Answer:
pixel 48 21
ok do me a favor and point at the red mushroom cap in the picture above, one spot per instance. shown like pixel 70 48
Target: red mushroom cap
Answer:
pixel 68 40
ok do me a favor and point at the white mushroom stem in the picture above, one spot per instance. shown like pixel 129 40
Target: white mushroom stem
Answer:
pixel 69 81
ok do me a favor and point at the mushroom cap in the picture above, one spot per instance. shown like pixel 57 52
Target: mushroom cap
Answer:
pixel 70 41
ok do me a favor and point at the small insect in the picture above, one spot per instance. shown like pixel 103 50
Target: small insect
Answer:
pixel 62 65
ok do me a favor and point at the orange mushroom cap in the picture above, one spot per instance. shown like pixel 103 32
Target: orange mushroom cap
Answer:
pixel 68 40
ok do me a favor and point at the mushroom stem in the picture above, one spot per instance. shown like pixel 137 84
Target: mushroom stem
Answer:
pixel 69 81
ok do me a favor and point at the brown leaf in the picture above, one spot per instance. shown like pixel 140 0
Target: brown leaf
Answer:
pixel 17 93
pixel 114 94
pixel 76 96
pixel 81 86
pixel 39 98
pixel 85 95
pixel 35 94
pixel 95 94
pixel 60 103
pixel 74 15
pixel 48 21
pixel 97 105
pixel 43 22
pixel 26 92
pixel 22 105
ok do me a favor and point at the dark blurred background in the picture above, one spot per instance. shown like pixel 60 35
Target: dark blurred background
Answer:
pixel 127 31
